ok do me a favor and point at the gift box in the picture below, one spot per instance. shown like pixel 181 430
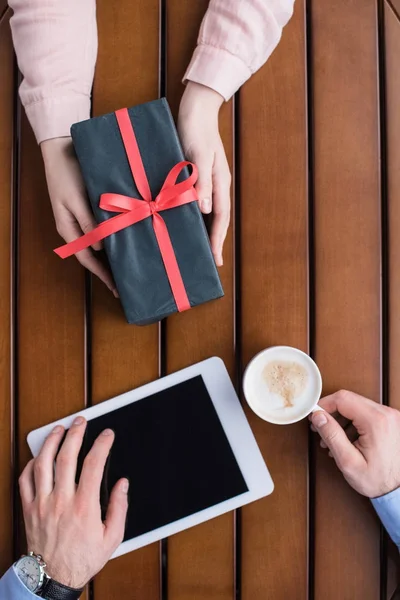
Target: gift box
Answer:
pixel 141 191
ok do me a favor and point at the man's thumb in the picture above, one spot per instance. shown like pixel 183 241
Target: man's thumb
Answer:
pixel 335 438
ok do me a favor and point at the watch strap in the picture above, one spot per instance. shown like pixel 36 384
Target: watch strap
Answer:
pixel 52 590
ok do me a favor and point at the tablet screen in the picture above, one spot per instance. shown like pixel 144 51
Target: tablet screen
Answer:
pixel 173 449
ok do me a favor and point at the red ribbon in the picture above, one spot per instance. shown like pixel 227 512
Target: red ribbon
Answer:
pixel 133 210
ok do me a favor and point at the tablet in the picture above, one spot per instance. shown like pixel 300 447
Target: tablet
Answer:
pixel 186 447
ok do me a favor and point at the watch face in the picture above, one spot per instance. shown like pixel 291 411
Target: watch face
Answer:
pixel 29 572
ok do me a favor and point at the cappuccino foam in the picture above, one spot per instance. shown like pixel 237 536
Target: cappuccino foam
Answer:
pixel 282 384
pixel 285 379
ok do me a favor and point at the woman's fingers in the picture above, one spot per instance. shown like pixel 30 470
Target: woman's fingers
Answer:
pixel 86 221
pixel 204 187
pixel 221 204
pixel 69 229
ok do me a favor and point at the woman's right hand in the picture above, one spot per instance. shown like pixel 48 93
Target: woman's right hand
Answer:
pixel 71 210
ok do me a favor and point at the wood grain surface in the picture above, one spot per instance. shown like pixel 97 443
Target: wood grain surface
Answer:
pixel 200 560
pixel 395 5
pixel 303 237
pixel 124 356
pixel 392 37
pixel 347 263
pixel 274 267
pixel 3 10
pixel 6 264
pixel 392 53
pixel 51 310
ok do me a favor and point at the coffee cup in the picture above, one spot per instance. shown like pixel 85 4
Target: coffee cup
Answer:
pixel 282 385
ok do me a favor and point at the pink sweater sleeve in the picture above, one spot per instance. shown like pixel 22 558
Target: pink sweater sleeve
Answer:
pixel 56 46
pixel 236 38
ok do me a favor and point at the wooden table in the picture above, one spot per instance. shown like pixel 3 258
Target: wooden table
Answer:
pixel 313 141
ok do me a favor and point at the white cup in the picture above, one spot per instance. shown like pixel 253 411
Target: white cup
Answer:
pixel 256 390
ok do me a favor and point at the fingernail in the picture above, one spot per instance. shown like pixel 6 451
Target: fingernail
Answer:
pixel 319 419
pixel 125 486
pixel 107 432
pixel 114 291
pixel 78 421
pixel 206 205
pixel 57 429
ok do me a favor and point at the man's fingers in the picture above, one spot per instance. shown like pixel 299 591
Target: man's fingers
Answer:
pixel 344 424
pixel 43 466
pixel 347 457
pixel 204 186
pixel 67 458
pixel 221 204
pixel 93 466
pixel 116 513
pixel 352 433
pixel 27 484
pixel 353 407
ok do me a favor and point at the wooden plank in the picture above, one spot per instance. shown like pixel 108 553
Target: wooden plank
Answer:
pixel 6 263
pixel 3 9
pixel 51 309
pixel 200 560
pixel 392 38
pixel 393 574
pixel 124 356
pixel 273 220
pixel 396 7
pixel 347 262
pixel 392 53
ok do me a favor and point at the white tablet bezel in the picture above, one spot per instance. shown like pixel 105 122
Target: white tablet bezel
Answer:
pixel 234 423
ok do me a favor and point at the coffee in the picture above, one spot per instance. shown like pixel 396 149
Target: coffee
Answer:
pixel 282 384
pixel 287 380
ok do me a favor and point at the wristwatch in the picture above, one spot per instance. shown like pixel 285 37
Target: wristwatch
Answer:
pixel 31 571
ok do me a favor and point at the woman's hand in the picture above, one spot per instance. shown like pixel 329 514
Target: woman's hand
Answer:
pixel 202 145
pixel 69 202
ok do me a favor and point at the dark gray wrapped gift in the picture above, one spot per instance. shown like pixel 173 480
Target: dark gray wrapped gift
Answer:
pixel 134 251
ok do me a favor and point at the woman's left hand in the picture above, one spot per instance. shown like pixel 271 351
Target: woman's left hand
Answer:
pixel 202 145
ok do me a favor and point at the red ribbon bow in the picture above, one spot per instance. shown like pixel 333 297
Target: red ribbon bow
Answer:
pixel 133 210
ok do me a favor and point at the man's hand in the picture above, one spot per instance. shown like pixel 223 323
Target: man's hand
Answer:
pixel 72 214
pixel 202 145
pixel 63 521
pixel 364 439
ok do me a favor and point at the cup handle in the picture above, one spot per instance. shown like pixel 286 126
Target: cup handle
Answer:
pixel 317 409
